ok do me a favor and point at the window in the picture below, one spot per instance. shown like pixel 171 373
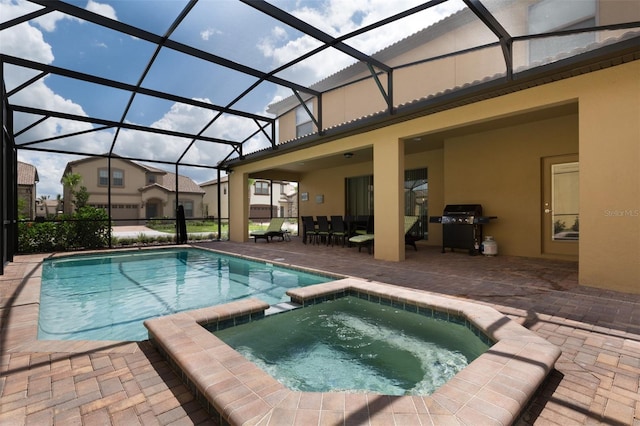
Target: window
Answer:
pixel 304 124
pixel 117 177
pixel 416 195
pixel 103 177
pixel 187 205
pixel 151 179
pixel 262 188
pixel 359 195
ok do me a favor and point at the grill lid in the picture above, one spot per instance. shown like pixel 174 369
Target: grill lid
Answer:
pixel 462 210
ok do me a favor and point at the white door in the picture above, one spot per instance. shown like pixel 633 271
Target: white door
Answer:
pixel 561 205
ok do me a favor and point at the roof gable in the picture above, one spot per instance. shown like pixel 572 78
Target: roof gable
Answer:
pixel 27 174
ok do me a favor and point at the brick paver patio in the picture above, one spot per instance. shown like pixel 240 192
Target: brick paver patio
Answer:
pixel 596 380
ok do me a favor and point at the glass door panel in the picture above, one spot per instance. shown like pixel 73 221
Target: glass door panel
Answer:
pixel 561 205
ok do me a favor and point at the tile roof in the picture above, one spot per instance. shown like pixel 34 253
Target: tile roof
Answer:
pixel 27 174
pixel 185 184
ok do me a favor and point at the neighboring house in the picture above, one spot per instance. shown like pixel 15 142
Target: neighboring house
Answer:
pixel 138 191
pixel 555 149
pixel 210 198
pixel 267 198
pixel 47 208
pixel 27 180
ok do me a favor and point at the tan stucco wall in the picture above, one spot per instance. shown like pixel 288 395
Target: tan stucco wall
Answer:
pixel 610 179
pixel 501 169
pixel 330 184
pixel 210 199
pixel 134 178
pixel 238 206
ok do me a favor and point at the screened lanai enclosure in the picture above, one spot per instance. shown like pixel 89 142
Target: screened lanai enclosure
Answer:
pixel 153 103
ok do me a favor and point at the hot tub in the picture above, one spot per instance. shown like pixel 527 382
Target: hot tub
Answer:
pixel 355 345
pixel 493 389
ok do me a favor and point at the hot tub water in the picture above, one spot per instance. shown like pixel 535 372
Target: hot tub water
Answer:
pixel 355 345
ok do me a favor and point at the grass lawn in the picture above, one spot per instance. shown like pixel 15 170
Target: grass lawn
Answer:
pixel 201 226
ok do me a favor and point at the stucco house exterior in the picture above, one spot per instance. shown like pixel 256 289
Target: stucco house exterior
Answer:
pixel 27 180
pixel 48 207
pixel 554 146
pixel 267 198
pixel 138 192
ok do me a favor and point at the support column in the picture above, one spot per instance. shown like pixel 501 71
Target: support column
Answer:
pixel 388 199
pixel 609 179
pixel 238 207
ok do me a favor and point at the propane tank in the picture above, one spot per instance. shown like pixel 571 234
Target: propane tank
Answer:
pixel 489 246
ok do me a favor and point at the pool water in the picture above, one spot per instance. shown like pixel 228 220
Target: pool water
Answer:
pixel 108 296
pixel 354 345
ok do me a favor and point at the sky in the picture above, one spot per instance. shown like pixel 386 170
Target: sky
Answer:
pixel 226 28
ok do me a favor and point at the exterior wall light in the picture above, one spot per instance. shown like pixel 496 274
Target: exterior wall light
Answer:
pixel 348 154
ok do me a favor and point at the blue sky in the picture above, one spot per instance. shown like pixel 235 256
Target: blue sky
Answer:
pixel 225 28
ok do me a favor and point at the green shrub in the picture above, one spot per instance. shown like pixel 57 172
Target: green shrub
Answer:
pixel 87 228
pixel 90 228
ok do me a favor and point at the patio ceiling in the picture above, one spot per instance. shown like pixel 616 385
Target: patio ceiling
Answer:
pixel 222 63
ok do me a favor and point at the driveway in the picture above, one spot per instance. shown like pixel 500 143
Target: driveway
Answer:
pixel 135 231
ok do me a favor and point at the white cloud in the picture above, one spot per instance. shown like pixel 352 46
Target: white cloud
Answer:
pixel 49 21
pixel 337 18
pixel 186 118
pixel 206 34
pixel 102 9
pixel 27 41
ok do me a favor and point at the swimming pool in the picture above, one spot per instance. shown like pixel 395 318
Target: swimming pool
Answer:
pixel 107 296
pixel 350 344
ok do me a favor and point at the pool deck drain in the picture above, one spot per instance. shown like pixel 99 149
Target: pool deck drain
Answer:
pixel 491 390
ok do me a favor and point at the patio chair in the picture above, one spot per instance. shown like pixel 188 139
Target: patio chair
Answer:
pixel 273 230
pixel 324 231
pixel 309 230
pixel 338 230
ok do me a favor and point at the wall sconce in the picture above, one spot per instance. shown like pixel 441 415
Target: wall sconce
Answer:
pixel 348 154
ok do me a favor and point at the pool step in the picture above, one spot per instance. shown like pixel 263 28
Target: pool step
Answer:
pixel 279 308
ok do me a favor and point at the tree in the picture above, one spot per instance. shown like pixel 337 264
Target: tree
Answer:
pixel 81 196
pixel 71 180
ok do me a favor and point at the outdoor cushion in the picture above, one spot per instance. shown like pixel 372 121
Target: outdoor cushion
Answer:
pixel 361 240
pixel 273 230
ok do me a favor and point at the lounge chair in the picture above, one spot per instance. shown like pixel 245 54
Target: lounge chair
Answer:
pixel 367 239
pixel 409 223
pixel 273 230
pixel 362 240
pixel 363 237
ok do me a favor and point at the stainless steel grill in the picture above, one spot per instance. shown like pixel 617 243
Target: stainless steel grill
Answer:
pixel 462 226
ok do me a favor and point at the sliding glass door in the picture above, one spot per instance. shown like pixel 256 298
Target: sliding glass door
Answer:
pixel 416 191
